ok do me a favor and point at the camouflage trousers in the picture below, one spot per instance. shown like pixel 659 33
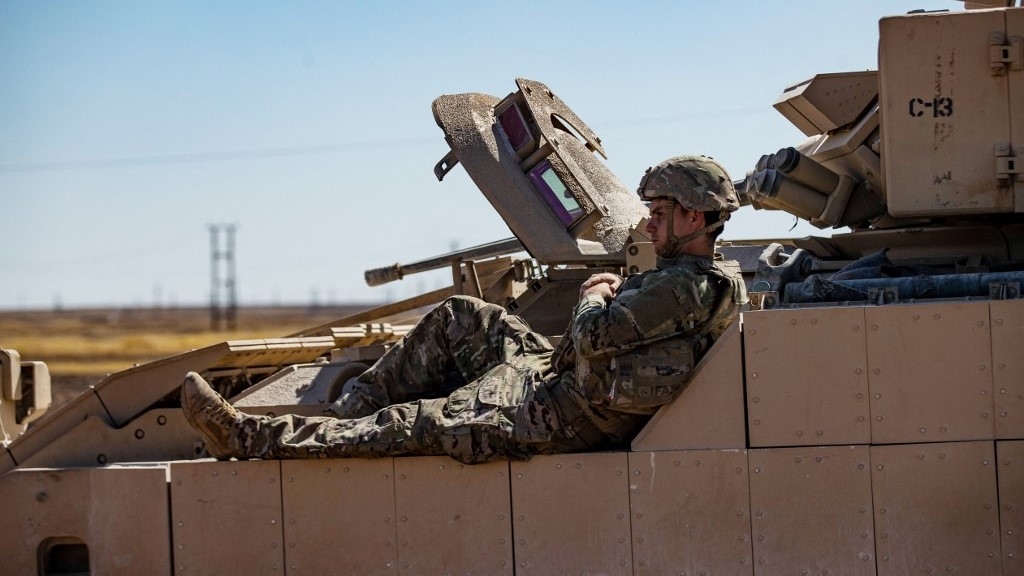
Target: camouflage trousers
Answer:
pixel 469 381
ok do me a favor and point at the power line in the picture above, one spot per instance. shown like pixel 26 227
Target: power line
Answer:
pixel 170 159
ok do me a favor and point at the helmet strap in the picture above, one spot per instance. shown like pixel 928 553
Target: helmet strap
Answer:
pixel 673 242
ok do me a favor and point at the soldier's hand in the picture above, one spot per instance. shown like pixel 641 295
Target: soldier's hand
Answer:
pixel 604 285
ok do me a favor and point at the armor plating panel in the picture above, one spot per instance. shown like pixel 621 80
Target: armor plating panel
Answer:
pixel 806 377
pixel 935 508
pixel 1008 367
pixel 452 518
pixel 570 514
pixel 944 113
pixel 709 411
pixel 235 504
pixel 322 500
pixel 929 372
pixel 691 512
pixel 1010 472
pixel 812 510
pixel 119 514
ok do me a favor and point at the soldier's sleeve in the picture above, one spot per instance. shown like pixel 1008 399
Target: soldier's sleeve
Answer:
pixel 664 304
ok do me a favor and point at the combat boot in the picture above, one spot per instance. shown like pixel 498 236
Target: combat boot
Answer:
pixel 211 415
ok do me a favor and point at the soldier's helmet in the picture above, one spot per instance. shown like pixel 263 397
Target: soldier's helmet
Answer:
pixel 696 182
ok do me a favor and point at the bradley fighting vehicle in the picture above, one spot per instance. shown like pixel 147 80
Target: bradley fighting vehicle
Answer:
pixel 866 416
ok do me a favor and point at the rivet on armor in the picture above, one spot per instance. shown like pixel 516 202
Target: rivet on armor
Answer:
pixel 819 432
pixel 792 320
pixel 922 429
pixel 756 399
pixel 579 465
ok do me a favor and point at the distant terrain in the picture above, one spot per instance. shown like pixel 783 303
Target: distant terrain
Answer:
pixel 81 347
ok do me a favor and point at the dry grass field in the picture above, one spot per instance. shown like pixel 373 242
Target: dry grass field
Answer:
pixel 80 347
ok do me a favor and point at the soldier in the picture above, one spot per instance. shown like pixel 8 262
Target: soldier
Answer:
pixel 475 383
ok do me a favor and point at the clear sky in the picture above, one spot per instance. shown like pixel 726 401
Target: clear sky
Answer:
pixel 127 128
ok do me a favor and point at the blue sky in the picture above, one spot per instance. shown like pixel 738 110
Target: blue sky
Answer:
pixel 126 128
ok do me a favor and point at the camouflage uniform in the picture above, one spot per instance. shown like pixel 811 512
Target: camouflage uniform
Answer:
pixel 476 383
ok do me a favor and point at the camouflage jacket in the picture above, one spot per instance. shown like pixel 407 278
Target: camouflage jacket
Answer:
pixel 633 354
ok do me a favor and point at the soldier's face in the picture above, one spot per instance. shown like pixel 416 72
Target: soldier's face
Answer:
pixel 663 214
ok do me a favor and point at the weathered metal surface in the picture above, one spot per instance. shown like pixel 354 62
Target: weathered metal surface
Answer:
pixel 811 510
pixel 453 518
pixel 571 514
pixel 1010 474
pixel 936 508
pixel 119 514
pixel 1008 367
pixel 690 512
pixel 806 377
pixel 929 372
pixel 226 517
pixel 709 411
pixel 339 517
pixel 161 434
pixel 934 71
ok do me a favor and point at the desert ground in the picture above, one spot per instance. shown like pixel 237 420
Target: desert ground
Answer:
pixel 81 347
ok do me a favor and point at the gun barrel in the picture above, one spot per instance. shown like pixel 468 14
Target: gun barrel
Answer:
pixel 383 275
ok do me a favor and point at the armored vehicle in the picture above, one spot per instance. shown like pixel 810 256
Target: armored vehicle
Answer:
pixel 865 416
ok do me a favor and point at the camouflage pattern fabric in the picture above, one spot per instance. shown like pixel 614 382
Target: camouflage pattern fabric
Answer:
pixel 475 383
